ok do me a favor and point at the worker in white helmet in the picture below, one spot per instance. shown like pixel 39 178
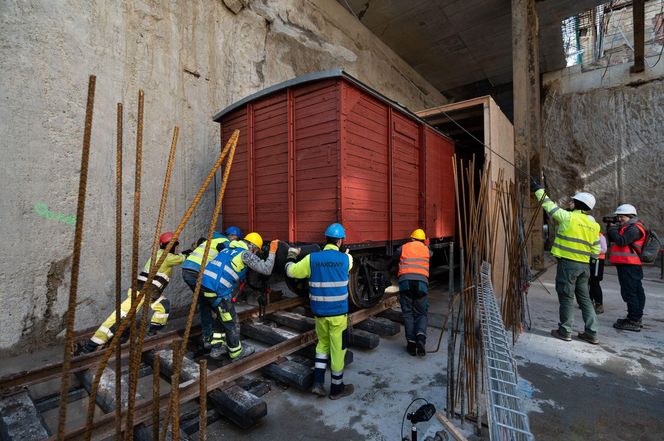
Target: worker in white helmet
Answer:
pixel 627 236
pixel 575 244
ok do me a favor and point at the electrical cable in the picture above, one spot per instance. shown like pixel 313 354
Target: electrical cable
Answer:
pixel 403 419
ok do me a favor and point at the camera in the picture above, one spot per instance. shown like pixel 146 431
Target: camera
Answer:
pixel 610 219
pixel 424 413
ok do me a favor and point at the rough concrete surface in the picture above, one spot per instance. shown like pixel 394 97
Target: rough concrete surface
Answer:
pixel 610 392
pixel 192 58
pixel 609 141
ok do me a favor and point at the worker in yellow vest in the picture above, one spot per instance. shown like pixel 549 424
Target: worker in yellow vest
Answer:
pixel 414 289
pixel 576 243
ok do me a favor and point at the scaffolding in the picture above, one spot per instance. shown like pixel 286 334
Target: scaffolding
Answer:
pixel 506 418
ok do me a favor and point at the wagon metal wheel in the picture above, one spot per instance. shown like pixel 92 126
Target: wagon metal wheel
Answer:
pixel 298 286
pixel 360 292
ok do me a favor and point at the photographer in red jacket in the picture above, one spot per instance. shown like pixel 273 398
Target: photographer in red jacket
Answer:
pixel 627 238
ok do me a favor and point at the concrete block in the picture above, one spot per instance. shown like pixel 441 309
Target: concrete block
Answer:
pixel 19 419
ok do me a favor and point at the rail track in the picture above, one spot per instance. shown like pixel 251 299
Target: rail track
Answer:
pixel 294 333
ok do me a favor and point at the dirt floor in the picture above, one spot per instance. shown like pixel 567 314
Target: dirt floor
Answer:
pixel 610 392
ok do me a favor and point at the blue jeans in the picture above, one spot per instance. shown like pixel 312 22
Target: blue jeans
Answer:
pixel 190 277
pixel 414 306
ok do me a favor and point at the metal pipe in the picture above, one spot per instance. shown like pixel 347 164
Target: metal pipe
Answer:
pixel 202 401
pixel 118 267
pixel 462 343
pixel 76 259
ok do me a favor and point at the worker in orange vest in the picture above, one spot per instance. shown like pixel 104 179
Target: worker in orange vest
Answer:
pixel 413 290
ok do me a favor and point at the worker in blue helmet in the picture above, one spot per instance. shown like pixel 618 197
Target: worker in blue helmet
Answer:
pixel 327 272
pixel 192 266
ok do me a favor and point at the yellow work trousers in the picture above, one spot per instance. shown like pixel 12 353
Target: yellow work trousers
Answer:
pixel 160 309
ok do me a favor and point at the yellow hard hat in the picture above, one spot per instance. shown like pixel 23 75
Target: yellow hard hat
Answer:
pixel 418 234
pixel 255 239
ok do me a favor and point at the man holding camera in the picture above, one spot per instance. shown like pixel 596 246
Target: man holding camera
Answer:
pixel 627 234
pixel 576 242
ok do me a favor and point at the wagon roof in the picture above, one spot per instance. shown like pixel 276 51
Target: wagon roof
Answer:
pixel 316 76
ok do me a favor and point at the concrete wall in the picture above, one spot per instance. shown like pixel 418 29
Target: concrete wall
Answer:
pixel 603 132
pixel 192 58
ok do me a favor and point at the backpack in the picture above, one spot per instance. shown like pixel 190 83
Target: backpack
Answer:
pixel 651 246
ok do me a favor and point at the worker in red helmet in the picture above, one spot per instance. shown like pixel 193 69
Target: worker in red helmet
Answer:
pixel 159 304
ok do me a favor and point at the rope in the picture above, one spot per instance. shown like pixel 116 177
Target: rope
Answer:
pixel 76 260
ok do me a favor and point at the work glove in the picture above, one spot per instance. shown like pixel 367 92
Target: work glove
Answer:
pixel 293 253
pixel 273 246
pixel 427 242
pixel 534 185
pixel 187 252
pixel 221 247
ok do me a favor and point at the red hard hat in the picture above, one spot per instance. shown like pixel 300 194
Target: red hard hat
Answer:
pixel 165 237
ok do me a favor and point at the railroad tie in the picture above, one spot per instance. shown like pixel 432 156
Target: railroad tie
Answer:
pixel 19 418
pixel 238 405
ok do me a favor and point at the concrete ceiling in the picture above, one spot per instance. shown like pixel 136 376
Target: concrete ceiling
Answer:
pixel 464 47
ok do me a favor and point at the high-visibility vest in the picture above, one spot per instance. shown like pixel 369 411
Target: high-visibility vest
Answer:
pixel 225 272
pixel 195 259
pixel 164 273
pixel 629 254
pixel 328 284
pixel 602 243
pixel 578 240
pixel 414 262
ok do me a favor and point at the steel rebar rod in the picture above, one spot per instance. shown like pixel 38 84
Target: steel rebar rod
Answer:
pixel 118 267
pixel 76 258
pixel 129 435
pixel 156 393
pixel 202 401
pixel 199 280
pixel 114 343
pixel 134 363
pixel 449 411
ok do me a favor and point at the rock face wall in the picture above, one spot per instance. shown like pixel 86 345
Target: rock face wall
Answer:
pixel 609 141
pixel 192 58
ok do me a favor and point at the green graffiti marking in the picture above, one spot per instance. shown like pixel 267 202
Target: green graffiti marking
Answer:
pixel 42 211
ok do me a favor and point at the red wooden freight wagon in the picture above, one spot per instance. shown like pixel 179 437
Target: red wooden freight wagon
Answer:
pixel 325 148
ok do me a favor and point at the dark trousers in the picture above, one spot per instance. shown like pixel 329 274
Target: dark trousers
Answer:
pixel 414 306
pixel 596 276
pixel 204 309
pixel 631 290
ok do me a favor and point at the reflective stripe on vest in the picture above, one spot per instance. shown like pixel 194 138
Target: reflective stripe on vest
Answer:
pixel 194 260
pixel 414 261
pixel 223 274
pixel 578 240
pixel 328 284
pixel 628 255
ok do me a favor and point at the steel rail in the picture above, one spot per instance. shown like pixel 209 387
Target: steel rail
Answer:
pixel 222 377
pixel 9 383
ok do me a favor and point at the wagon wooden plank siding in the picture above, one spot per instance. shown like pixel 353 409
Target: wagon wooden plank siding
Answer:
pixel 326 148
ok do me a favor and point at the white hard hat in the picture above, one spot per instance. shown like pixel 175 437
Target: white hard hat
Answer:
pixel 586 198
pixel 626 209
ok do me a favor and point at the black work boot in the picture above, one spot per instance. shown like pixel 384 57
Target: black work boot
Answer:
pixel 347 390
pixel 628 325
pixel 421 346
pixel 411 347
pixel 86 348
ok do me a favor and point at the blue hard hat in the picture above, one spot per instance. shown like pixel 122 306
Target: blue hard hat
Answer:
pixel 335 231
pixel 233 231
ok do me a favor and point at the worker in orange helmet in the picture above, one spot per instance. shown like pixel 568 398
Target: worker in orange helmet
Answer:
pixel 414 289
pixel 159 304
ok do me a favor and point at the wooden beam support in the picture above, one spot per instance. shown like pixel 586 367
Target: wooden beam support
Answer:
pixel 527 115
pixel 639 19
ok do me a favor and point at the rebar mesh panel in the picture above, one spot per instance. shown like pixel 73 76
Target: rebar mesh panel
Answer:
pixel 507 420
